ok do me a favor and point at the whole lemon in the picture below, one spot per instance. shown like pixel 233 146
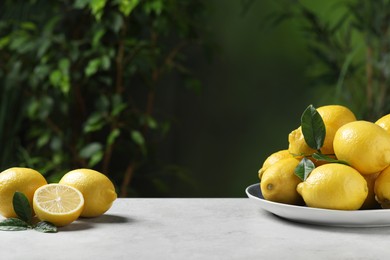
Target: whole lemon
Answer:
pixel 334 186
pixel 334 116
pixel 384 122
pixel 272 159
pixel 370 202
pixel 279 182
pixel 24 180
pixel 363 145
pixel 382 188
pixel 97 189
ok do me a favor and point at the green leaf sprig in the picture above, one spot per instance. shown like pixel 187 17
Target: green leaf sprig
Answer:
pixel 24 221
pixel 314 132
pixel 313 128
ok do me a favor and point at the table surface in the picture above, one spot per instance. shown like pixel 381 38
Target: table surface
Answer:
pixel 194 229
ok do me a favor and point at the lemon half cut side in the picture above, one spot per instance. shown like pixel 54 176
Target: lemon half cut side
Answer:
pixel 57 203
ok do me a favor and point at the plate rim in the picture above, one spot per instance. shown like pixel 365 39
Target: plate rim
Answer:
pixel 360 214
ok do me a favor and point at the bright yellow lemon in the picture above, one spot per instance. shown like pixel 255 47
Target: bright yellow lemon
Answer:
pixel 97 189
pixel 279 182
pixel 363 145
pixel 334 186
pixel 24 180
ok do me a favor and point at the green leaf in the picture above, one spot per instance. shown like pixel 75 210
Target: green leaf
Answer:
pixel 304 168
pixel 4 41
pixel 22 206
pixel 94 123
pixel 13 224
pixel 325 158
pixel 155 6
pixel 137 137
pixel 97 8
pixel 313 128
pixel 127 6
pixel 95 159
pixel 92 67
pixel 90 149
pixel 45 227
pixel 80 4
pixel 97 37
pixel 113 135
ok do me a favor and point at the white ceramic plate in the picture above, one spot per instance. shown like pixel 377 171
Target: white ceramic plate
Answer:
pixel 341 218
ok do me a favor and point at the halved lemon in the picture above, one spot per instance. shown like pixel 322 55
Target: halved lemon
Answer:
pixel 58 203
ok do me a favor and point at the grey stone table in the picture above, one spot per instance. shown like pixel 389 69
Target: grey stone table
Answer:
pixel 194 229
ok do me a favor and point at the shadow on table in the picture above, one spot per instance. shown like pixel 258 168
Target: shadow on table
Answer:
pixel 107 218
pixel 88 223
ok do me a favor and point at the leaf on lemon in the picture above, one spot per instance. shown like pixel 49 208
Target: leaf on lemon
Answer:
pixel 13 224
pixel 45 227
pixel 22 206
pixel 304 168
pixel 325 158
pixel 313 128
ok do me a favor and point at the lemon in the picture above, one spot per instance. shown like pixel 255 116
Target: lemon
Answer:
pixel 370 202
pixel 297 144
pixel 58 204
pixel 384 122
pixel 97 189
pixel 334 186
pixel 279 182
pixel 382 188
pixel 334 116
pixel 24 180
pixel 363 145
pixel 272 159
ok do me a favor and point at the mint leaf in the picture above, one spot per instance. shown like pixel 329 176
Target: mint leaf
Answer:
pixel 13 224
pixel 304 168
pixel 325 158
pixel 313 128
pixel 45 227
pixel 22 206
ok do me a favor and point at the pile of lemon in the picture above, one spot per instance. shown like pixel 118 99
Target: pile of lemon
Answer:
pixel 358 178
pixel 81 192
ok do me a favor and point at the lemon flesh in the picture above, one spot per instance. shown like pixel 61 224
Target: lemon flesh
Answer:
pixel 58 204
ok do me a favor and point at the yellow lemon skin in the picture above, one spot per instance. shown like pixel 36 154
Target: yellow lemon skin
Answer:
pixel 382 188
pixel 363 145
pixel 384 122
pixel 58 204
pixel 334 186
pixel 97 189
pixel 20 179
pixel 272 159
pixel 370 202
pixel 334 116
pixel 279 182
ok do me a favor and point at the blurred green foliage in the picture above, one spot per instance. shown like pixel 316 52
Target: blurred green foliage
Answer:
pixel 350 51
pixel 78 82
